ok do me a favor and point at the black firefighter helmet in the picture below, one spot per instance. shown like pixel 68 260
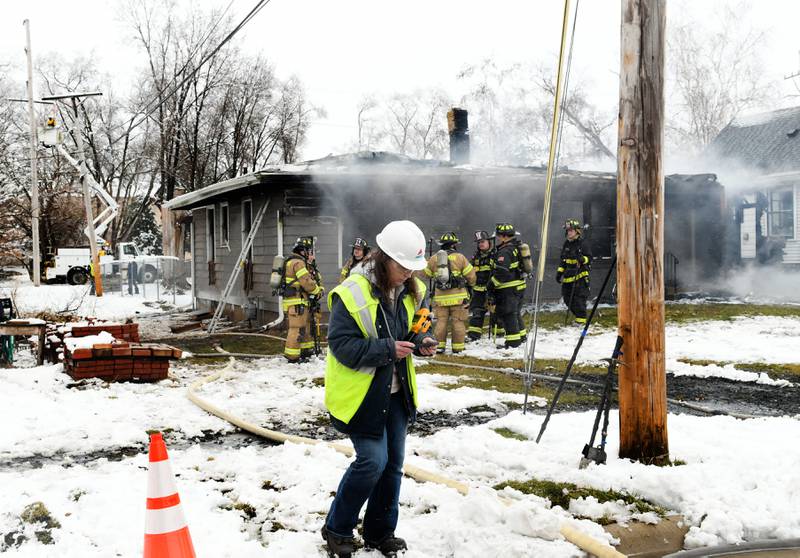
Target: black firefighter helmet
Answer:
pixel 573 224
pixel 481 235
pixel 506 229
pixel 360 243
pixel 303 244
pixel 448 240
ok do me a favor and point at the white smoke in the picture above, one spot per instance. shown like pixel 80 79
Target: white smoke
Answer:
pixel 761 283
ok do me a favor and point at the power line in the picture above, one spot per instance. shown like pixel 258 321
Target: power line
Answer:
pixel 258 7
pixel 200 44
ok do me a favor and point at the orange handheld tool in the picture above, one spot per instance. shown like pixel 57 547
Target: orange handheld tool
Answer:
pixel 420 325
pixel 422 321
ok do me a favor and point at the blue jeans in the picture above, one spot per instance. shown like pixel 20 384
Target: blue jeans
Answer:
pixel 375 475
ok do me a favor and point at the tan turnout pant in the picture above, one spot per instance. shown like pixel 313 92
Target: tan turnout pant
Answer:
pixel 298 338
pixel 456 316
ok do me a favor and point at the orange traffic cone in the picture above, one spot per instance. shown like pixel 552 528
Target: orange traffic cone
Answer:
pixel 166 534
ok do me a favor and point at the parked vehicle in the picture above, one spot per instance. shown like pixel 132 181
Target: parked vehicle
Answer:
pixel 71 265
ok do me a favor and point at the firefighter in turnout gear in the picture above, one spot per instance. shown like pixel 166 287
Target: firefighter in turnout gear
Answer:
pixel 573 271
pixel 507 285
pixel 360 250
pixel 479 304
pixel 301 293
pixel 452 274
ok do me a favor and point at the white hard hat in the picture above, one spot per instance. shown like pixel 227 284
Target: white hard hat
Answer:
pixel 404 243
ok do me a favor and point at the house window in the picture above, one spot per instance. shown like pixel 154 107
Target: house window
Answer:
pixel 781 212
pixel 211 228
pixel 224 224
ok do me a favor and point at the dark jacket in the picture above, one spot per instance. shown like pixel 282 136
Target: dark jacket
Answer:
pixel 482 262
pixel 352 349
pixel 576 261
pixel 506 264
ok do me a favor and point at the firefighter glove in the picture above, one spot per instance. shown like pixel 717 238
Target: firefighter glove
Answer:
pixel 559 275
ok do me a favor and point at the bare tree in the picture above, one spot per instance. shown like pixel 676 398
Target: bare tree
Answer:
pixel 402 110
pixel 61 217
pixel 367 135
pixel 716 73
pixel 594 126
pixel 508 114
pixel 429 131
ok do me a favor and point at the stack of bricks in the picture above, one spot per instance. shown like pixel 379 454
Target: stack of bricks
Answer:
pixel 56 333
pixel 123 359
pixel 120 361
pixel 125 332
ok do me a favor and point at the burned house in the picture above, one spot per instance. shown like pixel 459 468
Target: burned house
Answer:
pixel 338 198
pixel 767 207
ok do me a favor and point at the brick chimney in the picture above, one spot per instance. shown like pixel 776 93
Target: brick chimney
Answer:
pixel 458 128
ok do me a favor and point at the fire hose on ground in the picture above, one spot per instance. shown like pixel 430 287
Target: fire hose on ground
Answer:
pixel 576 537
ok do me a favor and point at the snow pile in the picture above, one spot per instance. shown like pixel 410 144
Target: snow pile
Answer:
pixel 46 417
pixel 88 341
pixel 740 481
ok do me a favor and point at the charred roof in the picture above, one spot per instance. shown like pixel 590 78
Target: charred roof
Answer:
pixel 336 169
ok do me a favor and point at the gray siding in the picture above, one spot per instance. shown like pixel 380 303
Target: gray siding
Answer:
pixel 265 247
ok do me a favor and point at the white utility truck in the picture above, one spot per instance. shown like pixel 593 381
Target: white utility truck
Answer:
pixel 71 265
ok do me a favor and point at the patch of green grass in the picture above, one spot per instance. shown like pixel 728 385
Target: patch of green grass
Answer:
pixel 717 311
pixel 677 313
pixel 248 510
pixel 231 343
pixel 508 433
pixel 504 383
pixel 37 514
pixel 560 494
pixel 479 379
pixel 251 344
pixel 604 317
pixel 542 365
pixel 787 371
pixel 671 463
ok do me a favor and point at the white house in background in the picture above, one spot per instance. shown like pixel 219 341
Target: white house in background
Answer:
pixel 768 213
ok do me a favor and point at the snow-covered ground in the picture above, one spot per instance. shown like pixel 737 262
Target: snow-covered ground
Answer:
pixel 75 300
pixel 740 480
pixel 763 339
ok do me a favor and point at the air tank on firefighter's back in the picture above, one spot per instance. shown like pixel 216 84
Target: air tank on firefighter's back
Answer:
pixel 276 278
pixel 442 268
pixel 525 256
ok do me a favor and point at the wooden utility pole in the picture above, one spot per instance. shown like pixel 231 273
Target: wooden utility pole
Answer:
pixel 34 170
pixel 640 234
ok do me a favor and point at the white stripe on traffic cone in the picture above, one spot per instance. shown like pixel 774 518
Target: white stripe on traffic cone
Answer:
pixel 166 534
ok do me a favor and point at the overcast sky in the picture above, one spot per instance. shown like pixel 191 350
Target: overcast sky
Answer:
pixel 343 49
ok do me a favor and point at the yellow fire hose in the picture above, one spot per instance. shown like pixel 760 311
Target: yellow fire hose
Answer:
pixel 579 539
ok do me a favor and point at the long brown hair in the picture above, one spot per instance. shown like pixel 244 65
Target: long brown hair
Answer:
pixel 381 271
